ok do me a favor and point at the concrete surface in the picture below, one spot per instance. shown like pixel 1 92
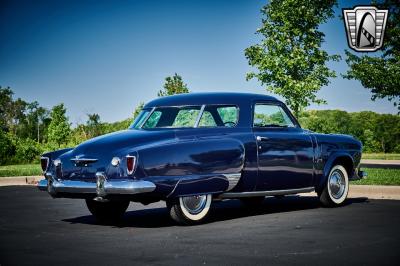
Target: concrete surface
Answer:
pixel 369 191
pixel 38 230
pixel 380 163
pixel 20 180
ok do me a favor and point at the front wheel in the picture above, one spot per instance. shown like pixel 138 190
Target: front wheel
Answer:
pixel 336 188
pixel 107 211
pixel 189 210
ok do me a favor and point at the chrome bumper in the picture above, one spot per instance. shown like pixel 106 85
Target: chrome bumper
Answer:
pixel 101 188
pixel 358 174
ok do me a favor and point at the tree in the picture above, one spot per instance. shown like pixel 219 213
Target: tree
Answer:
pixel 173 85
pixel 7 148
pixel 6 104
pixel 35 122
pixel 381 73
pixel 93 125
pixel 138 109
pixel 59 128
pixel 289 58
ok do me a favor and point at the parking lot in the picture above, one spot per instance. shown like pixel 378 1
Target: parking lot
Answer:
pixel 36 229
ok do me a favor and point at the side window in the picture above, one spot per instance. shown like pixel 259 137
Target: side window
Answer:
pixel 207 120
pixel 268 115
pixel 229 115
pixel 219 116
pixel 186 118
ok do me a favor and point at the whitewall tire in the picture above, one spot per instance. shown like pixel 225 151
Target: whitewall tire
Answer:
pixel 336 188
pixel 190 210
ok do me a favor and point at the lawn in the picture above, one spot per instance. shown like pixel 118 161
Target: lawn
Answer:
pixel 381 156
pixel 387 177
pixel 20 170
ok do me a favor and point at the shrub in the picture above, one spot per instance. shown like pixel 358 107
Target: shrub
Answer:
pixel 7 147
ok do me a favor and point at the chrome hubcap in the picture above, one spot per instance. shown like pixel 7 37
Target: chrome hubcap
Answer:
pixel 337 184
pixel 194 204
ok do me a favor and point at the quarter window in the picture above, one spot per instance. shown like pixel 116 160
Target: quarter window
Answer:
pixel 268 115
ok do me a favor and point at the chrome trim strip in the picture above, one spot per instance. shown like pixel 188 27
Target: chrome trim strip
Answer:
pixel 233 179
pixel 199 116
pixel 266 193
pixel 176 185
pixel 83 160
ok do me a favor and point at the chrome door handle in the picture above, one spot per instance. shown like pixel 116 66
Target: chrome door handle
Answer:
pixel 259 138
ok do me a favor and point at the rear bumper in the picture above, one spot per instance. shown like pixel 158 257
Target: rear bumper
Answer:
pixel 101 188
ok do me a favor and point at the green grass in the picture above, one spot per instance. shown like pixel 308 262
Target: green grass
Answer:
pixel 20 170
pixel 381 156
pixel 377 176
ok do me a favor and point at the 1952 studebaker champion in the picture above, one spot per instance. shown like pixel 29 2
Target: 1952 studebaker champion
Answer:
pixel 192 148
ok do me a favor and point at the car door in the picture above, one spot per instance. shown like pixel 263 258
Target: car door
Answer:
pixel 285 151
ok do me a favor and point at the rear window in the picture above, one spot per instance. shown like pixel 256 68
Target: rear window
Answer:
pixel 173 117
pixel 189 117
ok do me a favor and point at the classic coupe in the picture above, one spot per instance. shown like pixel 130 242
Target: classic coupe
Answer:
pixel 192 149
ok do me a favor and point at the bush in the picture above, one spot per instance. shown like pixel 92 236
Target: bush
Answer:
pixel 7 147
pixel 27 151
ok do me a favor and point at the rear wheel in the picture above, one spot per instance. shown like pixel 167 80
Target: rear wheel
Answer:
pixel 107 211
pixel 336 188
pixel 189 210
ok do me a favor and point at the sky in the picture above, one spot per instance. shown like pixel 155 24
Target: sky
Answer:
pixel 106 57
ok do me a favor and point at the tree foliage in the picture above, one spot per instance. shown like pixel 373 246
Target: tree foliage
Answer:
pixel 173 85
pixel 377 132
pixel 93 125
pixel 59 128
pixel 381 73
pixel 289 58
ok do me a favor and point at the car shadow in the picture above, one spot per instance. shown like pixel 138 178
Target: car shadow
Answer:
pixel 220 211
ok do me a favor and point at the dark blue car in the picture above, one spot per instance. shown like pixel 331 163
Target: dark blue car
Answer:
pixel 191 149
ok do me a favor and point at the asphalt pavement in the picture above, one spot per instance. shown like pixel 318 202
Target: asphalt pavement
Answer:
pixel 36 229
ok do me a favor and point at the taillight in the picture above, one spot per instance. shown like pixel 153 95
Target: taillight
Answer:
pixel 130 164
pixel 44 163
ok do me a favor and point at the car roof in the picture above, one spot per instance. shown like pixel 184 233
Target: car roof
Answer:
pixel 236 98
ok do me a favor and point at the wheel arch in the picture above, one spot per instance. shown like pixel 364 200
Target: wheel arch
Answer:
pixel 341 158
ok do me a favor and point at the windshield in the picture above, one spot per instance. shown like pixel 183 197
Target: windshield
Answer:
pixel 140 119
pixel 187 117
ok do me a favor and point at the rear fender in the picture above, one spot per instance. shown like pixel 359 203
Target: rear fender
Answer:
pixel 192 167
